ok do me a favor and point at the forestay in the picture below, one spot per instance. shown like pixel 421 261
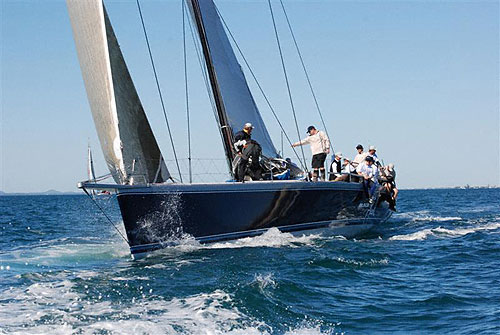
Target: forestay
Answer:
pixel 239 104
pixel 127 141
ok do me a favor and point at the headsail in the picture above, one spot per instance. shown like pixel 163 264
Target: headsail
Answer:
pixel 90 165
pixel 127 141
pixel 238 104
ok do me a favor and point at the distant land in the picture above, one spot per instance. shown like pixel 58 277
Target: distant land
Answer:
pixel 49 192
pixel 55 192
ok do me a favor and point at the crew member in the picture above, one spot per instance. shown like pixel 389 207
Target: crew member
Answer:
pixel 370 174
pixel 320 147
pixel 241 141
pixel 251 155
pixel 336 166
pixel 372 151
pixel 241 137
pixel 360 157
pixel 347 169
pixel 388 180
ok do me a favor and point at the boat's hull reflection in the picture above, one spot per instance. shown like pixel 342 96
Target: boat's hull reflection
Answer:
pixel 158 216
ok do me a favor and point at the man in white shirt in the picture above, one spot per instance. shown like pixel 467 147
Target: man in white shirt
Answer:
pixel 360 157
pixel 347 168
pixel 320 147
pixel 370 174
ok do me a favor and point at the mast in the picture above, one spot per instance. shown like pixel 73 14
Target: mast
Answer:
pixel 225 128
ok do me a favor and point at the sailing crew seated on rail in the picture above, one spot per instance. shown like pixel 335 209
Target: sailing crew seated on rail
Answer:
pixel 372 151
pixel 370 175
pixel 336 166
pixel 320 147
pixel 347 169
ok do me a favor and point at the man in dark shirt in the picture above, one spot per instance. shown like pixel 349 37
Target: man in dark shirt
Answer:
pixel 241 141
pixel 242 137
pixel 336 166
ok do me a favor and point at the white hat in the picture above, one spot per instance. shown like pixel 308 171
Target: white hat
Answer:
pixel 338 154
pixel 248 125
pixel 347 159
pixel 372 148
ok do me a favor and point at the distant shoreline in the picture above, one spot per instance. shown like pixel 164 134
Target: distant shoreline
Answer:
pixel 54 192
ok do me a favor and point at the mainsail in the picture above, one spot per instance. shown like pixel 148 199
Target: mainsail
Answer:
pixel 237 105
pixel 127 141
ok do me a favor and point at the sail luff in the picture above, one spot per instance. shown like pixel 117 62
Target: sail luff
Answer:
pixel 226 133
pixel 127 141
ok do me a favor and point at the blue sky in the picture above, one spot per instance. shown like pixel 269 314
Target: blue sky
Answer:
pixel 418 79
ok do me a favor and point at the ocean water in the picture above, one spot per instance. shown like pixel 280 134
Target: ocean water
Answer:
pixel 434 268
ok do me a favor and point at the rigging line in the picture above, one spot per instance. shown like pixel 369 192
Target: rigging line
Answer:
pixel 287 82
pixel 159 90
pixel 106 215
pixel 305 71
pixel 260 88
pixel 186 90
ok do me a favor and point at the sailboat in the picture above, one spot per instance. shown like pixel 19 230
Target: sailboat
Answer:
pixel 156 209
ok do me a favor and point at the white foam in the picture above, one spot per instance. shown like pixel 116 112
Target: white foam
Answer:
pixel 308 330
pixel 444 232
pixel 271 238
pixel 62 253
pixel 425 215
pixel 437 218
pixel 56 308
pixel 264 282
pixel 371 262
pixel 60 307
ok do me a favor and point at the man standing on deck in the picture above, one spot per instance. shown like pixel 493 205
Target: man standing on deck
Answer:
pixel 320 147
pixel 360 157
pixel 241 141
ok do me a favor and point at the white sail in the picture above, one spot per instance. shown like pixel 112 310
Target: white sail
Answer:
pixel 238 103
pixel 90 165
pixel 127 141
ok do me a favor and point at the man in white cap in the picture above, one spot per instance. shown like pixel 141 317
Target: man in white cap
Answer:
pixel 241 141
pixel 241 137
pixel 372 151
pixel 336 166
pixel 320 147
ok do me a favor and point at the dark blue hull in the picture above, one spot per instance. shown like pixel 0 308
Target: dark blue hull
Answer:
pixel 156 215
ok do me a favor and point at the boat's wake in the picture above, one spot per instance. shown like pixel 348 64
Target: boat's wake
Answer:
pixel 67 307
pixel 441 232
pixel 424 216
